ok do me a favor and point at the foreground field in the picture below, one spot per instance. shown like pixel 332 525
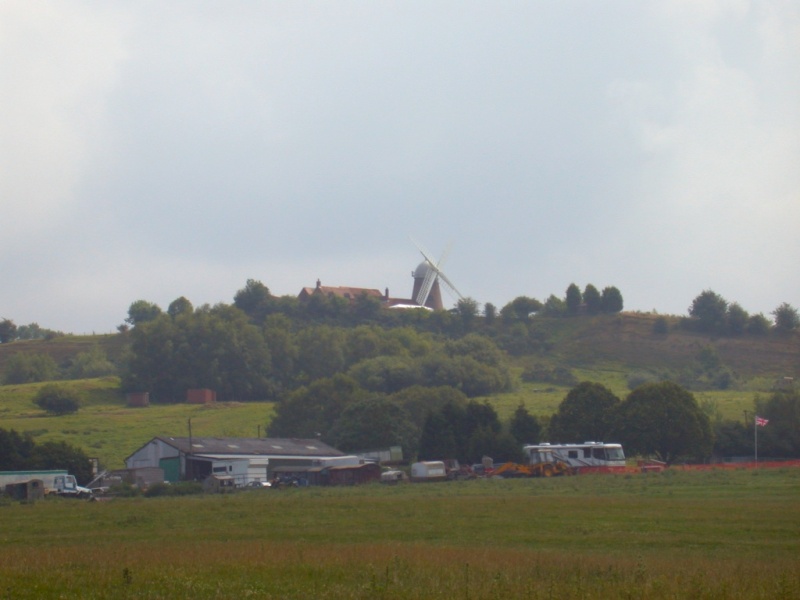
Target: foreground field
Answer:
pixel 719 534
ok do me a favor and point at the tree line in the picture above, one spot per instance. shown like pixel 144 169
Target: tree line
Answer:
pixel 20 452
pixel 711 313
pixel 657 419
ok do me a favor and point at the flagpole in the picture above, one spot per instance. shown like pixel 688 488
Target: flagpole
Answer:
pixel 755 429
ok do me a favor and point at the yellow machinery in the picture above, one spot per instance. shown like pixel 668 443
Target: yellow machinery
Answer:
pixel 542 464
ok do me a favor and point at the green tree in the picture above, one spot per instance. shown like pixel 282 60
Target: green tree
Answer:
pixel 467 309
pixel 215 348
pixel 142 311
pixel 386 374
pixel 500 445
pixel 664 419
pixel 661 326
pixel 366 308
pixel 419 401
pixel 611 300
pixel 520 309
pixel 92 363
pixel 489 313
pixel 708 312
pixel 8 331
pixel 781 436
pixel 61 455
pixel 737 319
pixel 29 332
pixel 57 399
pixel 282 344
pixel 311 411
pixel 479 347
pixel 373 424
pixel 321 351
pixel 19 452
pixel 15 450
pixel 732 438
pixel 437 440
pixel 33 331
pixel 786 318
pixel 180 306
pixel 255 300
pixel 758 325
pixel 454 431
pixel 588 412
pixel 592 299
pixel 525 427
pixel 25 367
pixel 554 306
pixel 573 299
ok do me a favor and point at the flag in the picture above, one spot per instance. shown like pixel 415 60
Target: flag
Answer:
pixel 761 421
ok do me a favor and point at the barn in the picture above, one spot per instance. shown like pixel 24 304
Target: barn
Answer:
pixel 244 459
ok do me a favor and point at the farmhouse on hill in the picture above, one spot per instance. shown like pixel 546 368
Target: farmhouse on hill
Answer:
pixel 351 294
pixel 348 293
pixel 244 459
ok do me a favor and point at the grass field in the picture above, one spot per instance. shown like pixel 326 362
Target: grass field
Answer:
pixel 107 429
pixel 717 534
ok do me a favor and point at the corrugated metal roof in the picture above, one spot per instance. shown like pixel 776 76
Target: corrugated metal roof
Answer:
pixel 251 446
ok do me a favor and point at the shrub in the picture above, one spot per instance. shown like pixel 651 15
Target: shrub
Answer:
pixel 661 326
pixel 24 367
pixel 57 399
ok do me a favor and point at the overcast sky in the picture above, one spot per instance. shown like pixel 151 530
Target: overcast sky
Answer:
pixel 152 150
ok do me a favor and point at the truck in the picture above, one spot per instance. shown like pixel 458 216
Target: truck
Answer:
pixel 56 482
pixel 429 470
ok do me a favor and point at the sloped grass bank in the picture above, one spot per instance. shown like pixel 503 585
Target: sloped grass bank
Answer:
pixel 719 534
pixel 106 428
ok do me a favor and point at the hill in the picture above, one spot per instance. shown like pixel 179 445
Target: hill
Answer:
pixel 610 349
pixel 629 340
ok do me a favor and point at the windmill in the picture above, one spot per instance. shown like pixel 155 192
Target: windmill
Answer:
pixel 426 280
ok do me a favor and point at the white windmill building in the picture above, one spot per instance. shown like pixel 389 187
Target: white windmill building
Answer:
pixel 427 275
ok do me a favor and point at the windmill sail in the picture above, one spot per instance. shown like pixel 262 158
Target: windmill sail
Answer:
pixel 427 277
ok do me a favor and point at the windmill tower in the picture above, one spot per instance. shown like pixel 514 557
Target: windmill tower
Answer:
pixel 426 280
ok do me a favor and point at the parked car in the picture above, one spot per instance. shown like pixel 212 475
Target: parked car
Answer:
pixel 259 484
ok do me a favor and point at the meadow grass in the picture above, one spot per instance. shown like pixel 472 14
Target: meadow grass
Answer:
pixel 106 428
pixel 717 534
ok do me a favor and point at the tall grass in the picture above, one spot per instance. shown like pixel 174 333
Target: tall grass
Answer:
pixel 719 534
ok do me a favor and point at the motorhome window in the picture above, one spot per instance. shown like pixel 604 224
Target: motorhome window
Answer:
pixel 615 454
pixel 587 453
pixel 572 453
pixel 599 453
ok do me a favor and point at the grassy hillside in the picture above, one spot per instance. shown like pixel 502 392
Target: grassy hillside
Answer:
pixel 628 342
pixel 63 349
pixel 605 349
pixel 107 429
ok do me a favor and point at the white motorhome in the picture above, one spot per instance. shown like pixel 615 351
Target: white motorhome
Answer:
pixel 584 458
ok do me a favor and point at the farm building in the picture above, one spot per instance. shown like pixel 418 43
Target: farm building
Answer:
pixel 348 293
pixel 244 459
pixel 328 472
